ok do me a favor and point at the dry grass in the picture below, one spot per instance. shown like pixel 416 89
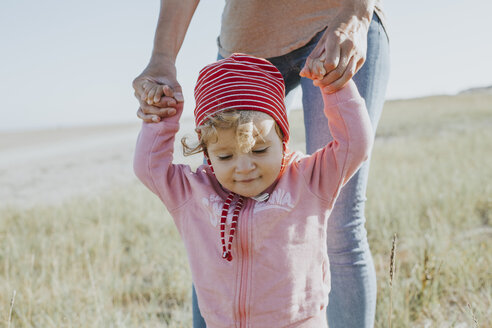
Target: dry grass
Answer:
pixel 109 261
pixel 391 276
pixel 115 260
pixel 431 183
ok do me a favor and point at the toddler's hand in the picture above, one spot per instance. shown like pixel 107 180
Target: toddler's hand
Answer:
pixel 314 69
pixel 318 68
pixel 152 92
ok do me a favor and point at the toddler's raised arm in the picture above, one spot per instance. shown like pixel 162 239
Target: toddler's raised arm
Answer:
pixel 332 166
pixel 153 162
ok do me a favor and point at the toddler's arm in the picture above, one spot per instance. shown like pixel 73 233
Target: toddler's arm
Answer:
pixel 153 161
pixel 331 167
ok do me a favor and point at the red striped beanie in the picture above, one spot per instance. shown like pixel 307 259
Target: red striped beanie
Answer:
pixel 241 82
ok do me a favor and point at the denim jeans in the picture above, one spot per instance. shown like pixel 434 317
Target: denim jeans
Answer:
pixel 352 300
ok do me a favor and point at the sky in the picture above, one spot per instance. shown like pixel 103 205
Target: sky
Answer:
pixel 68 63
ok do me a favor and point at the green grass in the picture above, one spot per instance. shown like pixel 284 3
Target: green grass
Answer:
pixel 116 260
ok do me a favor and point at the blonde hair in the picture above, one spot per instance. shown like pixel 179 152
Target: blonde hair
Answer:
pixel 239 120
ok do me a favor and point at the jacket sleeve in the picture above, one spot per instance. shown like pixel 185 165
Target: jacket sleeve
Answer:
pixel 327 170
pixel 153 163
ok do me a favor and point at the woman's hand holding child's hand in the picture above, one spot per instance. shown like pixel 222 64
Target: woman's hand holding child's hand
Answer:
pixel 157 90
pixel 341 51
pixel 157 101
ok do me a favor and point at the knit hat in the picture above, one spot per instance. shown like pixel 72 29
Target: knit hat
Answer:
pixel 241 82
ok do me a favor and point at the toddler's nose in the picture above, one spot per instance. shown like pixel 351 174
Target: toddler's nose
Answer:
pixel 244 164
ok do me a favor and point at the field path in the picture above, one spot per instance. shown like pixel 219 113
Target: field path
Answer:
pixel 48 166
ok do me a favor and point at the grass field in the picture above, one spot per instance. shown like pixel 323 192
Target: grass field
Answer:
pixel 116 260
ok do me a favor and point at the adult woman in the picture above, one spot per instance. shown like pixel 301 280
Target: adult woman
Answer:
pixel 349 38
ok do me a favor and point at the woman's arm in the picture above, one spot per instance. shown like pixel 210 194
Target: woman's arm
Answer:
pixel 174 18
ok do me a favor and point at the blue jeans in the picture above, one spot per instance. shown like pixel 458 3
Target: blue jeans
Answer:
pixel 353 279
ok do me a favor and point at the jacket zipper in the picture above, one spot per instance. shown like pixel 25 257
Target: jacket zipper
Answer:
pixel 243 287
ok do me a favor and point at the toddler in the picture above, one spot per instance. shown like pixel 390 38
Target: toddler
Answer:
pixel 254 219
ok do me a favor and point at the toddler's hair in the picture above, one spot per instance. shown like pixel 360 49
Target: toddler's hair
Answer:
pixel 239 120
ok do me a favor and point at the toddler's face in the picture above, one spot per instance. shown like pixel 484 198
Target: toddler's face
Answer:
pixel 247 174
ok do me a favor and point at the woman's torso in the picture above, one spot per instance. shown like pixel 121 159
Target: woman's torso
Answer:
pixel 273 28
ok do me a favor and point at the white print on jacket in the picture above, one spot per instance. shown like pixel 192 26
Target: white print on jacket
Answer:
pixel 279 199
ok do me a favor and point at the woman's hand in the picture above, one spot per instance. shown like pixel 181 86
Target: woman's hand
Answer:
pixel 157 90
pixel 340 52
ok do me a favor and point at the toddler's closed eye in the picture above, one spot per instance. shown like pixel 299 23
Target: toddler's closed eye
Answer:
pixel 260 150
pixel 224 157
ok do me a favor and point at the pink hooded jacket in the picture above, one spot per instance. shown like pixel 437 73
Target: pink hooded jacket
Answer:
pixel 279 275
